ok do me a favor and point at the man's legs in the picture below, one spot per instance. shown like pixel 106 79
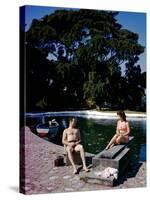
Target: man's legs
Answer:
pixel 69 151
pixel 79 148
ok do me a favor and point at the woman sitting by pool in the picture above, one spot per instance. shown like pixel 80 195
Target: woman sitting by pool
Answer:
pixel 122 131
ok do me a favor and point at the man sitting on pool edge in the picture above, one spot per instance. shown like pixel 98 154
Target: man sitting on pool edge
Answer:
pixel 71 139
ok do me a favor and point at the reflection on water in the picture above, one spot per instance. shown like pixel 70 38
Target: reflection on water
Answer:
pixel 96 133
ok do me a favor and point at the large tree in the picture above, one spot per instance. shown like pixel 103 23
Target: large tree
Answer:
pixel 86 49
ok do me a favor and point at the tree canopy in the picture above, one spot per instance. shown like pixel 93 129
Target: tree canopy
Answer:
pixel 74 60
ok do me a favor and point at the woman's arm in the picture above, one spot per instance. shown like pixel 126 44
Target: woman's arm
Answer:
pixel 128 129
pixel 117 129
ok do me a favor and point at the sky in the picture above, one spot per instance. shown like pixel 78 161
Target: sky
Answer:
pixel 135 22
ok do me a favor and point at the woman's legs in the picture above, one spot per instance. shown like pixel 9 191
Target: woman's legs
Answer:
pixel 117 139
pixel 122 139
pixel 112 141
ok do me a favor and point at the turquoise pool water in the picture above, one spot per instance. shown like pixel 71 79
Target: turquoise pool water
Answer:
pixel 96 133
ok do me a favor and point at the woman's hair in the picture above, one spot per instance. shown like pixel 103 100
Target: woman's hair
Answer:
pixel 122 115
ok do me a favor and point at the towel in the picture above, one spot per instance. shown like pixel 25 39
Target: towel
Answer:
pixel 107 172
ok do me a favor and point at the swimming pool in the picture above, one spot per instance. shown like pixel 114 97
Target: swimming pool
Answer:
pixel 96 133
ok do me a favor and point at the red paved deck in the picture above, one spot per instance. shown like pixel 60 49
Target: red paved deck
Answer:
pixel 42 177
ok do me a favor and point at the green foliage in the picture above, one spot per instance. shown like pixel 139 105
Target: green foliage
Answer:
pixel 136 88
pixel 41 104
pixel 89 47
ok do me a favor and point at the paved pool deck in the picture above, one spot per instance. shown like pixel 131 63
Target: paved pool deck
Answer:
pixel 41 176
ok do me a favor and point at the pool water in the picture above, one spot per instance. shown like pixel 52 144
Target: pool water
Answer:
pixel 96 133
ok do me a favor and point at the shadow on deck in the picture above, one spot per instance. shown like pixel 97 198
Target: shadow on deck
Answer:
pixel 130 172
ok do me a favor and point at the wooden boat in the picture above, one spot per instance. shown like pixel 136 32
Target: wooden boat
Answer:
pixel 47 129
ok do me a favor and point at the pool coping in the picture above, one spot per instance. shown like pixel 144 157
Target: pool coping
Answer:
pixel 87 114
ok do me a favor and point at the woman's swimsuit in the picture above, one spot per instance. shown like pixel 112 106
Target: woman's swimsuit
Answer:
pixel 122 127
